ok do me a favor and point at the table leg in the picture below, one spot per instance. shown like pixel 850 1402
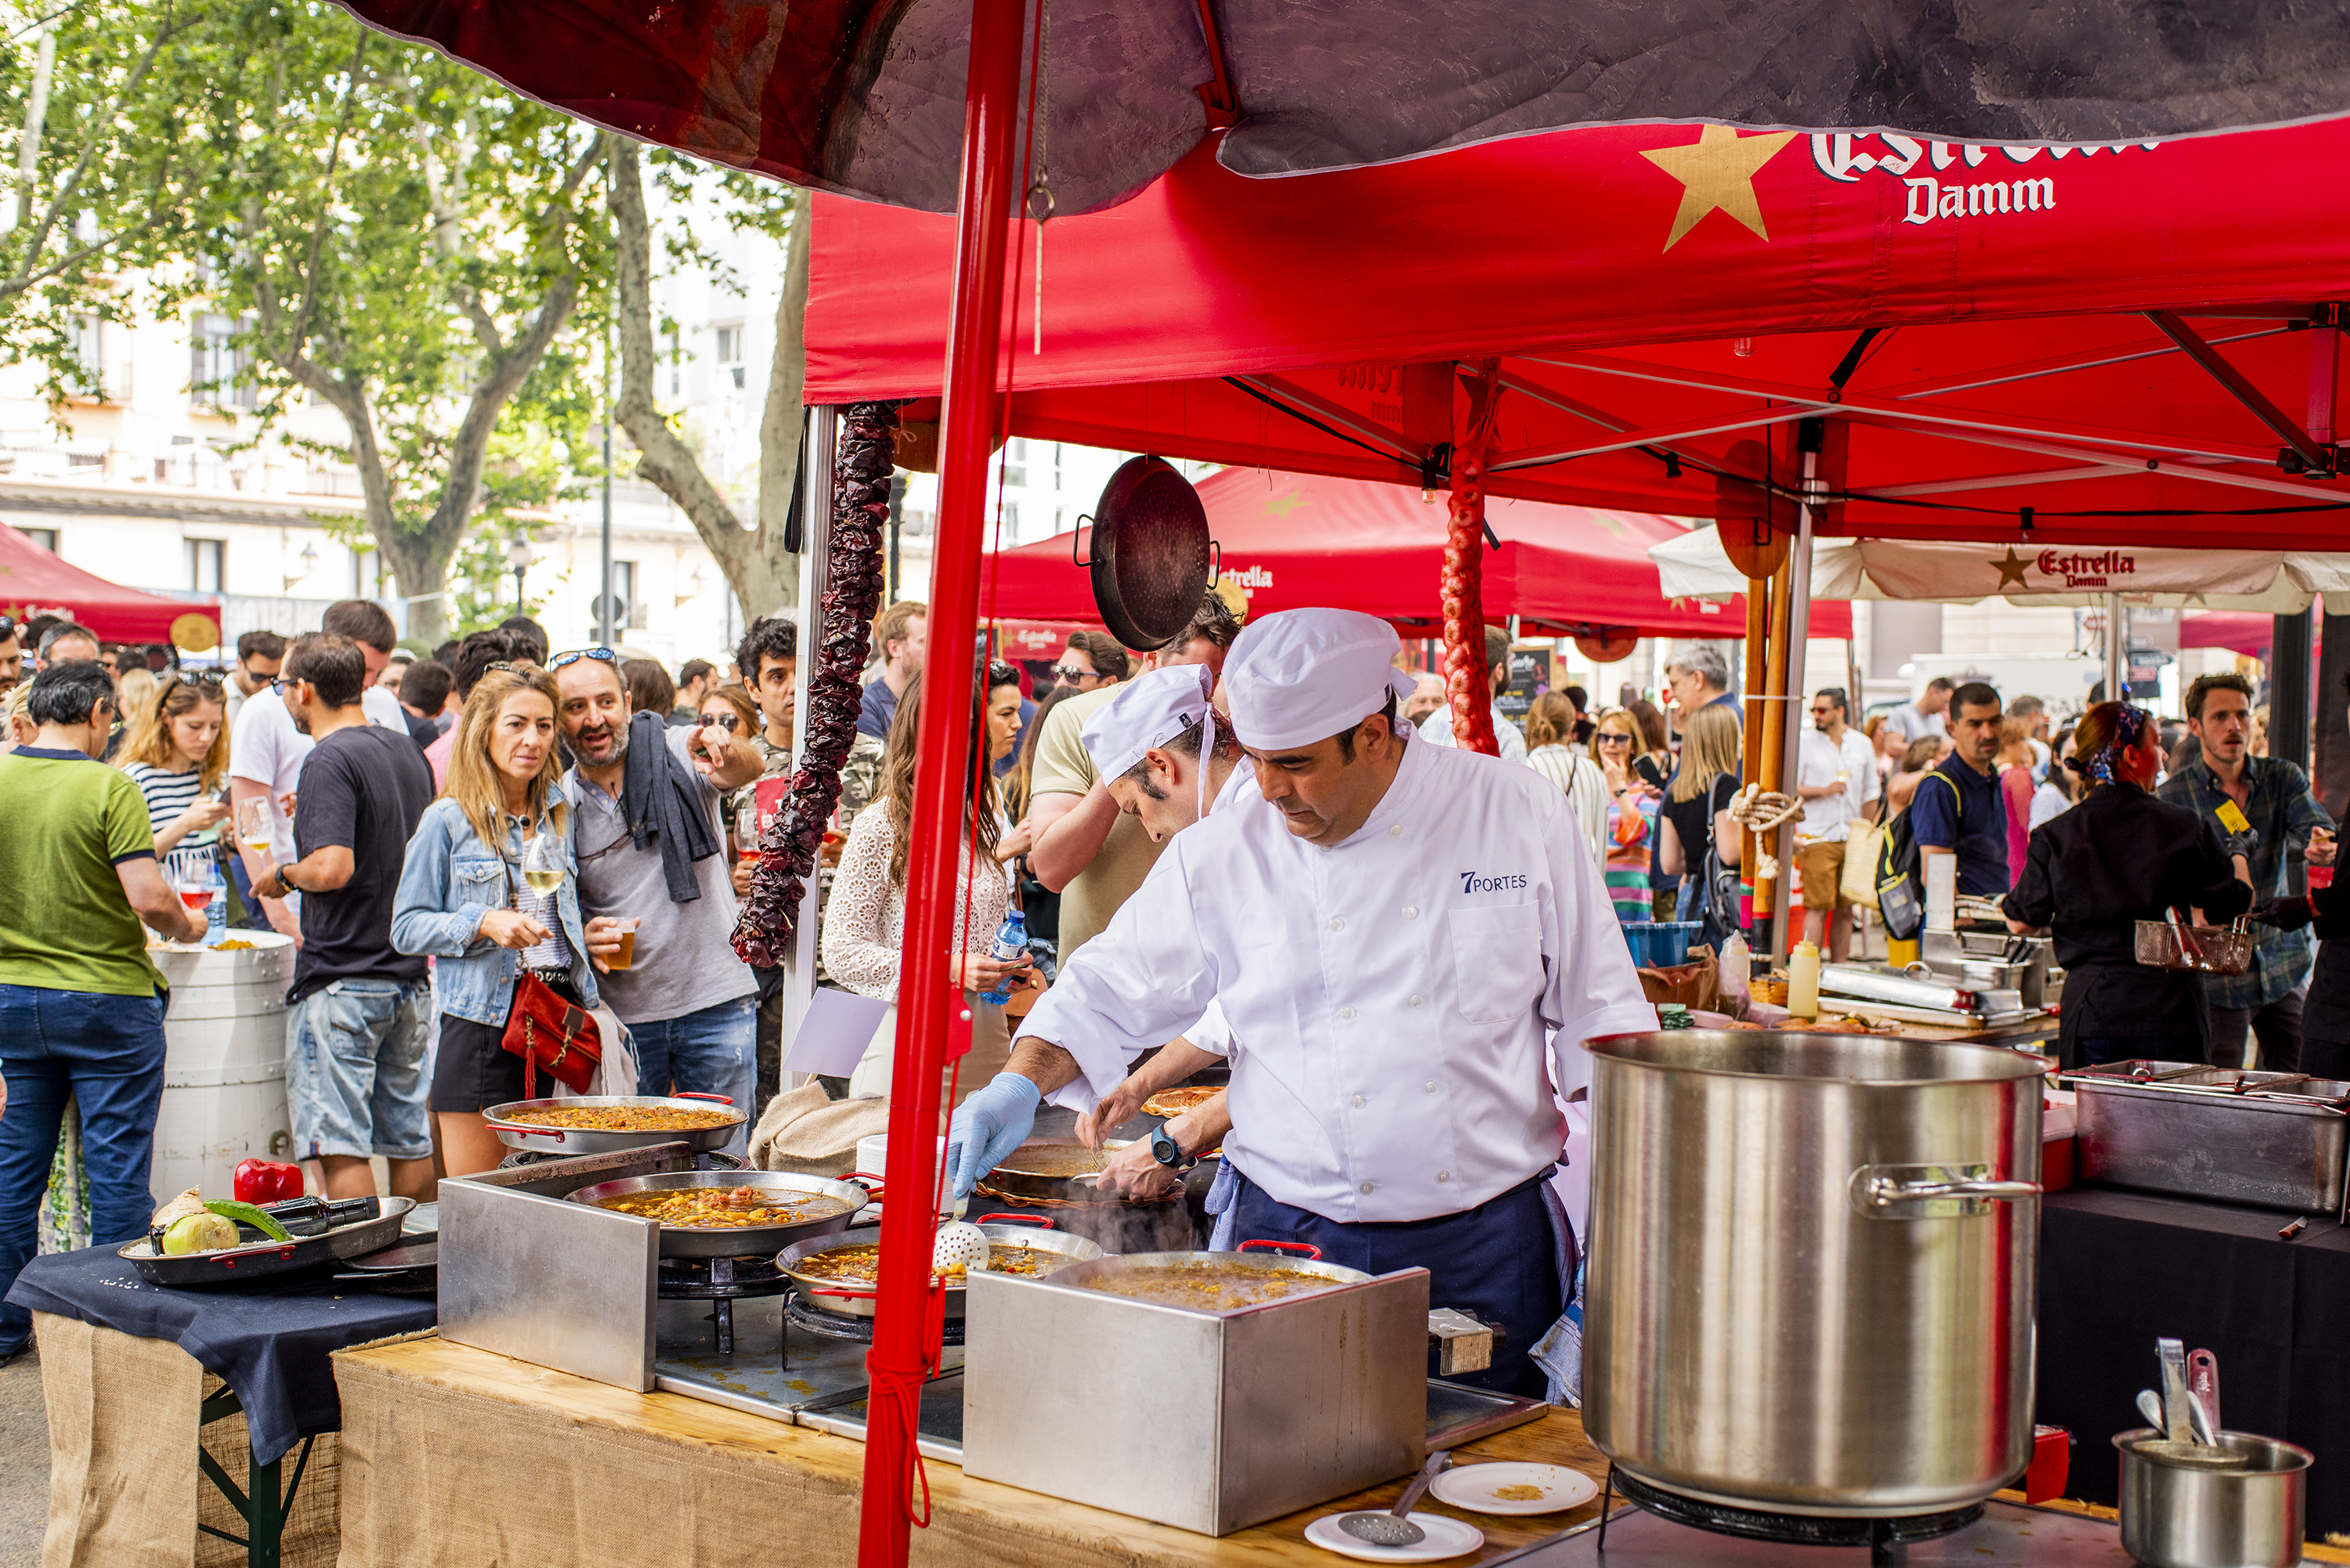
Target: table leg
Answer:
pixel 264 1510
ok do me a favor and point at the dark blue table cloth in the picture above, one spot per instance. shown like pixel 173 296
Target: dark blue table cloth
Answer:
pixel 269 1343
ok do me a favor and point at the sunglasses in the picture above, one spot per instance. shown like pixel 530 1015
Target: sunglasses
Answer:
pixel 603 655
pixel 1064 672
pixel 208 686
pixel 1608 739
pixel 723 721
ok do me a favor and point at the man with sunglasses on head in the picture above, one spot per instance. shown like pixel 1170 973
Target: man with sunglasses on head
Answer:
pixel 644 824
pixel 266 750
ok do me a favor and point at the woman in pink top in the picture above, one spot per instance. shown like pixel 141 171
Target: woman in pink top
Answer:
pixel 2016 786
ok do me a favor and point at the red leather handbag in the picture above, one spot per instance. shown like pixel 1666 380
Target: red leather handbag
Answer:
pixel 547 1032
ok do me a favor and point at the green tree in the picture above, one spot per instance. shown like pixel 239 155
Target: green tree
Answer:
pixel 404 240
pixel 762 573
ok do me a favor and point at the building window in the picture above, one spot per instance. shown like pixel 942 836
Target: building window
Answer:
pixel 217 369
pixel 1010 514
pixel 1015 461
pixel 47 538
pixel 205 557
pixel 627 610
pixel 730 353
pixel 89 351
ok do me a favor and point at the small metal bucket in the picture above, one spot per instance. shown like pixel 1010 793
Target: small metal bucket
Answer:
pixel 2175 1516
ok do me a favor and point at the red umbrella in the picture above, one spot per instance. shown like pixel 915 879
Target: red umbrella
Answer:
pixel 1292 539
pixel 33 581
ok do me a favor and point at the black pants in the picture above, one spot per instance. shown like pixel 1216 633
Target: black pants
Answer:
pixel 2275 1024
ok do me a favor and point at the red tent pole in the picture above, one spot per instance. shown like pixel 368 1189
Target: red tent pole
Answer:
pixel 900 1356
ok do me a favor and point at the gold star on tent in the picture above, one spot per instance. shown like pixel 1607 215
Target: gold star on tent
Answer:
pixel 1718 171
pixel 1282 505
pixel 2010 571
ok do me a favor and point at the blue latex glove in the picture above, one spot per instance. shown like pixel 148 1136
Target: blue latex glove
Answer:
pixel 987 1128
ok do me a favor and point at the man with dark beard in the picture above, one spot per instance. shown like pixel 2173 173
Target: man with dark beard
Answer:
pixel 651 850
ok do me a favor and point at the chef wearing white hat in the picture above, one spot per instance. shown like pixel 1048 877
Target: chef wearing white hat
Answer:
pixel 1410 943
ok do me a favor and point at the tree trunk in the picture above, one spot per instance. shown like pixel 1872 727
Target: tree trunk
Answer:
pixel 762 574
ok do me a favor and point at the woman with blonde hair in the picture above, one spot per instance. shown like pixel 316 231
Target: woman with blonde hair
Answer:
pixel 1698 837
pixel 176 752
pixel 1627 815
pixel 1551 752
pixel 463 899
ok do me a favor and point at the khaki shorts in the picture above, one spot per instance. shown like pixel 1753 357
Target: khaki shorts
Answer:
pixel 1822 865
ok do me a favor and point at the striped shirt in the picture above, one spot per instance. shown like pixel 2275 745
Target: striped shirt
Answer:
pixel 168 795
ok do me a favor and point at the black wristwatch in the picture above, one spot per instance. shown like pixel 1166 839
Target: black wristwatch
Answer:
pixel 1163 1148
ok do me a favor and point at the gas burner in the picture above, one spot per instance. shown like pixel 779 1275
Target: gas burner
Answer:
pixel 722 1281
pixel 1882 1538
pixel 805 1313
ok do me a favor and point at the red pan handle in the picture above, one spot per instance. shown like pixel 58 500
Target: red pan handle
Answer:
pixel 1306 1248
pixel 697 1095
pixel 870 1180
pixel 535 1131
pixel 1035 1220
pixel 852 1295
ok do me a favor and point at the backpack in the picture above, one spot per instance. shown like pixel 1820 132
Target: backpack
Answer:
pixel 1900 882
pixel 1718 887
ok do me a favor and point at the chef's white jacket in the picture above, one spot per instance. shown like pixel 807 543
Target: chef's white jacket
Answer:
pixel 1392 998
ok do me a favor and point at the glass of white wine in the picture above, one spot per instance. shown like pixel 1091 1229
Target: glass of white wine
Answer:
pixel 542 863
pixel 254 829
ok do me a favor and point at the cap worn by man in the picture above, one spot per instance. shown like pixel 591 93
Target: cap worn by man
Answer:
pixel 1304 675
pixel 1146 714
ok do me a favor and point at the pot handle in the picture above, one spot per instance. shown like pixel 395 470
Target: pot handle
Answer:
pixel 1037 1219
pixel 698 1095
pixel 531 1127
pixel 1306 1249
pixel 1932 1191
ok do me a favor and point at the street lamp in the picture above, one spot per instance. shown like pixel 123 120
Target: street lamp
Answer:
pixel 519 557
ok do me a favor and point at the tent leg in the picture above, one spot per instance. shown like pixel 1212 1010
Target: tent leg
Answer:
pixel 1774 724
pixel 1798 637
pixel 901 1357
pixel 1758 666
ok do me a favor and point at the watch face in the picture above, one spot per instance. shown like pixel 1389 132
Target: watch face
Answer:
pixel 1163 1148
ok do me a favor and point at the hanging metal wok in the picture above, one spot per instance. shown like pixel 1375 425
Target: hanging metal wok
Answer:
pixel 1153 558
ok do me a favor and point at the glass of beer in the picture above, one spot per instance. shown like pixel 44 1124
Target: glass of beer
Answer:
pixel 626 957
pixel 253 825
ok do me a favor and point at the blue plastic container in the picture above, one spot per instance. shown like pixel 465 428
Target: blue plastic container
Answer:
pixel 1660 944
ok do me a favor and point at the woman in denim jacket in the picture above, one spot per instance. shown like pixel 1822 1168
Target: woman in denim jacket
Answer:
pixel 462 899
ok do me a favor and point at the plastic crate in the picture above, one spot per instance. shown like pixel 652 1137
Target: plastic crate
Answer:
pixel 1660 944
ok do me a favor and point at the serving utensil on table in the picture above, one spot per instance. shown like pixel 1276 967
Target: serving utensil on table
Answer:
pixel 1395 1528
pixel 2189 1425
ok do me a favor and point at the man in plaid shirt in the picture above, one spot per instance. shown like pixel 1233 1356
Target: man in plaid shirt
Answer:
pixel 2274 795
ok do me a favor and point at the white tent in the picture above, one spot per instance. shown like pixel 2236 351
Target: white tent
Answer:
pixel 2270 582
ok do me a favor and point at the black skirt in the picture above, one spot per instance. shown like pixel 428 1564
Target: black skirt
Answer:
pixel 474 1070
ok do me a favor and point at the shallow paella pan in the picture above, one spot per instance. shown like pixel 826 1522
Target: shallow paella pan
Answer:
pixel 832 1205
pixel 545 1139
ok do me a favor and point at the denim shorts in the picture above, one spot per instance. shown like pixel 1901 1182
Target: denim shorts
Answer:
pixel 355 1069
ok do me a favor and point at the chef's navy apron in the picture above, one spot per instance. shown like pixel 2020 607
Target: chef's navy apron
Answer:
pixel 2120 1013
pixel 1501 1261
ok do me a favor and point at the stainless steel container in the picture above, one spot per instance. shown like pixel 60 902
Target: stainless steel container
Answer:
pixel 1812 1267
pixel 2275 1141
pixel 2176 1516
pixel 1245 1415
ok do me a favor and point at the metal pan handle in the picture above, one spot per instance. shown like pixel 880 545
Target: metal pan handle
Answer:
pixel 1035 1220
pixel 852 1295
pixel 698 1095
pixel 1305 1248
pixel 555 1133
pixel 870 1181
pixel 1932 1191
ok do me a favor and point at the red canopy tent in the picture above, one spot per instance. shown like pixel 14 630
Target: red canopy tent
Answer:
pixel 1990 330
pixel 33 581
pixel 1295 539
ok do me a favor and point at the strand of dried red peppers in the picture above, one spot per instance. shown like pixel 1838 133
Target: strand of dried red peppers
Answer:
pixel 1468 679
pixel 853 586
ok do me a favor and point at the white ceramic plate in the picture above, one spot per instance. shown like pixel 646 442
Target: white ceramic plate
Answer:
pixel 1446 1538
pixel 1473 1487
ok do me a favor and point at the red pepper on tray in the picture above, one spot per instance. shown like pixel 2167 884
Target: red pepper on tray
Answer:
pixel 267 1181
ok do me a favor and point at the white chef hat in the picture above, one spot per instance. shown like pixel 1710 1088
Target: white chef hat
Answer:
pixel 1300 676
pixel 1148 711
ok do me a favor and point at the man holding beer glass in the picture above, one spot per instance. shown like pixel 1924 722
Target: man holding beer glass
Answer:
pixel 654 881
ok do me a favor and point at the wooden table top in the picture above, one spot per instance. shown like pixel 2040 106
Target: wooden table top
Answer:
pixel 1059 1532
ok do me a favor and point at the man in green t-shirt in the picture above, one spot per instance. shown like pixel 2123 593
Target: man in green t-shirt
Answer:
pixel 81 1007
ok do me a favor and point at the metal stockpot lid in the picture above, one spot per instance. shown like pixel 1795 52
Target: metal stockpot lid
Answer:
pixel 1797 1055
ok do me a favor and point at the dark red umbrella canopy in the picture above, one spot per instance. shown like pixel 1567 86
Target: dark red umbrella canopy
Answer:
pixel 1289 540
pixel 865 97
pixel 33 581
pixel 1982 322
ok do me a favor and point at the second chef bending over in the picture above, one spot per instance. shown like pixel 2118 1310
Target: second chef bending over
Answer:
pixel 1395 932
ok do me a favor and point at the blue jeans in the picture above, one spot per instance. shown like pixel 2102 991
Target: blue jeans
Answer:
pixel 107 1053
pixel 711 1051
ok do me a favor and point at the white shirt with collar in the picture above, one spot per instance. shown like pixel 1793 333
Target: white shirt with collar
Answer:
pixel 1818 761
pixel 1397 1000
pixel 1437 731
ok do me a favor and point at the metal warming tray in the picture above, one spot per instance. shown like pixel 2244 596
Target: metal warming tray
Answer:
pixel 1254 1413
pixel 2274 1140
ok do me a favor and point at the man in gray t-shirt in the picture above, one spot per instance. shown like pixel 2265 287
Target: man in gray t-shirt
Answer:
pixel 689 1003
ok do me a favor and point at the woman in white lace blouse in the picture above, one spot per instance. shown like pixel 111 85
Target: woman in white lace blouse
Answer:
pixel 865 920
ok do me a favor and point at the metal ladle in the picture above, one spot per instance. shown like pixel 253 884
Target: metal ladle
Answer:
pixel 1395 1528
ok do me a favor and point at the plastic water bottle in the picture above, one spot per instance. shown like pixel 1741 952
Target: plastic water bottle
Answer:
pixel 1011 946
pixel 216 911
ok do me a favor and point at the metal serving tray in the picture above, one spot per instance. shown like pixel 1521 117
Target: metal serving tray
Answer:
pixel 1255 1413
pixel 2273 1140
